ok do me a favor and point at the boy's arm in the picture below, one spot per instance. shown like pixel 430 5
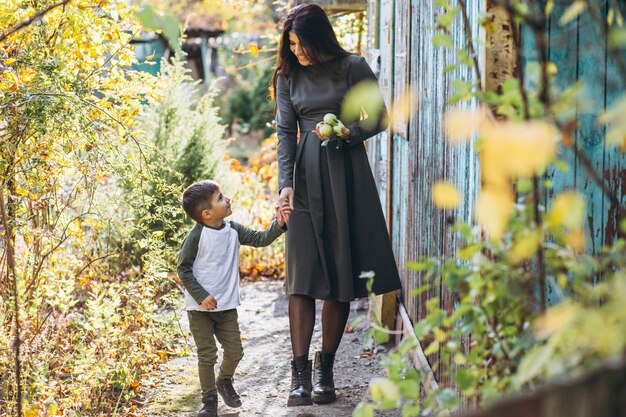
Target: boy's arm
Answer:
pixel 251 237
pixel 186 258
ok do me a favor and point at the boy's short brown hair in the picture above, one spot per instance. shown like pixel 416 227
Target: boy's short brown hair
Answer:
pixel 197 198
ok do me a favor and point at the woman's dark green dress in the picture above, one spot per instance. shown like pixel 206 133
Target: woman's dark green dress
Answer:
pixel 337 229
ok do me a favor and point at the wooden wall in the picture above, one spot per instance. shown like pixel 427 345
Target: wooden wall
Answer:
pixel 579 51
pixel 413 154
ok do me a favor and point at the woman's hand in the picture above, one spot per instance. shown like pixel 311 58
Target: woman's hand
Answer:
pixel 345 133
pixel 321 135
pixel 285 202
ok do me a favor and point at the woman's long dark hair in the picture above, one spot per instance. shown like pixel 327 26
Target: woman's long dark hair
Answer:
pixel 310 23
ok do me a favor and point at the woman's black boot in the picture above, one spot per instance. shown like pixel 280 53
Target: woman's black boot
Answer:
pixel 300 382
pixel 324 388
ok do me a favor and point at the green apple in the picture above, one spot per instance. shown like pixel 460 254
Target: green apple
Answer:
pixel 330 119
pixel 338 128
pixel 325 130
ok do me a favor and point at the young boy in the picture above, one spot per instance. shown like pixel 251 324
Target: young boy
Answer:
pixel 208 266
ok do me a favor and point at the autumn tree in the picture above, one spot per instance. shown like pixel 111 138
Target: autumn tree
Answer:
pixel 68 108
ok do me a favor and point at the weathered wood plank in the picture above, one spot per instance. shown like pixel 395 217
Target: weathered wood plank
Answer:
pixel 614 172
pixel 589 136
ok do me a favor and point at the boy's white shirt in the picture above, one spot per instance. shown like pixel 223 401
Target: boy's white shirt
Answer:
pixel 216 268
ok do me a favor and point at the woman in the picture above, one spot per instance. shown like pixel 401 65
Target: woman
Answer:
pixel 336 225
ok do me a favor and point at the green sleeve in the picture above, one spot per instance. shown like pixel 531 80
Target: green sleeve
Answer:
pixel 251 237
pixel 186 258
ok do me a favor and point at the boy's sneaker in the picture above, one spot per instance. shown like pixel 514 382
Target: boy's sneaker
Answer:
pixel 209 408
pixel 227 391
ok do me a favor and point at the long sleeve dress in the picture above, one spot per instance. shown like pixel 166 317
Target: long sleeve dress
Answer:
pixel 336 229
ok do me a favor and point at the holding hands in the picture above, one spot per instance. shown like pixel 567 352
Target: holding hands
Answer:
pixel 284 205
pixel 210 303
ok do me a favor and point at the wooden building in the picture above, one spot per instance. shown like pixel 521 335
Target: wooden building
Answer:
pixel 200 45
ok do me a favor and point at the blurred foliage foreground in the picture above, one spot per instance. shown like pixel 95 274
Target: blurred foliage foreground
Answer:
pixel 93 160
pixel 499 335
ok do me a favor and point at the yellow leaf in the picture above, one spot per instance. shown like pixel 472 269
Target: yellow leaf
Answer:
pixel 555 318
pixel 10 76
pixel 446 195
pixel 462 124
pixel 400 109
pixel 21 192
pixel 493 208
pixel 254 49
pixel 383 389
pixel 52 407
pixel 551 68
pixel 27 75
pixel 525 247
pixel 572 12
pixel 514 150
pixel 9 61
pixel 31 412
pixel 151 56
pixel 568 210
pixel 576 240
pixel 440 335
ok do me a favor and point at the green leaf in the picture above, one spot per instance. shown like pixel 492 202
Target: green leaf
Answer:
pixel 465 58
pixel 148 18
pixel 464 229
pixel 417 266
pixel 460 358
pixel 171 30
pixel 411 410
pixel 561 165
pixel 383 389
pixel 356 322
pixel 442 40
pixel 463 379
pixel 381 337
pixel 409 388
pixel 617 37
pixel 533 363
pixel 432 348
pixel 448 397
pixel 466 253
pixel 524 186
pixel 446 19
pixel 363 99
pixel 450 67
pixel 363 410
pixel 417 291
pixel 572 12
pixel 549 8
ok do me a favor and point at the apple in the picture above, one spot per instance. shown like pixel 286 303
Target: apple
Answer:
pixel 330 119
pixel 325 130
pixel 338 128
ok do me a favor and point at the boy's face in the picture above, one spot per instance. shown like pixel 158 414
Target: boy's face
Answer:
pixel 220 207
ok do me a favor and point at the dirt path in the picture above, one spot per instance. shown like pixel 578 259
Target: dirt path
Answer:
pixel 263 376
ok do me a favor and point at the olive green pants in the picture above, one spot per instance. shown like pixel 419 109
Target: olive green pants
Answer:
pixel 205 328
